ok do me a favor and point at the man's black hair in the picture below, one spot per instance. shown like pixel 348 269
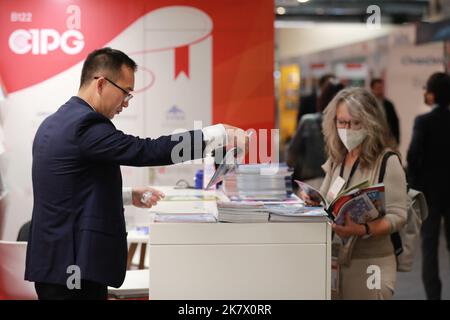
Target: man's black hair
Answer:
pixel 439 85
pixel 374 81
pixel 105 62
pixel 330 90
pixel 323 79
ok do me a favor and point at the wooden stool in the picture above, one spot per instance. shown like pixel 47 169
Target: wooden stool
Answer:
pixel 131 252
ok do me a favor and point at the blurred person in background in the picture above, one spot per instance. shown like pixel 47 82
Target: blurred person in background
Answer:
pixel 306 152
pixel 308 104
pixel 387 107
pixel 429 171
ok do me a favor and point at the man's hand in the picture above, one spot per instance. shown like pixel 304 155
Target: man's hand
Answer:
pixel 237 137
pixel 138 195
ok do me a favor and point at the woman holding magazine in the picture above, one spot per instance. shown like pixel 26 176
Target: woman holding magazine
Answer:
pixel 356 138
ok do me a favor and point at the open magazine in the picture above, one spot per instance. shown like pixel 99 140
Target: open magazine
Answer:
pixel 362 202
pixel 229 163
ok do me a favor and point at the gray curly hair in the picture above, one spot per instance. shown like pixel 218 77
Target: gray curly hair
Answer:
pixel 363 107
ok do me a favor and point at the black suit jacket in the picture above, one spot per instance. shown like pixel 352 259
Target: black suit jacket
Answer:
pixel 307 105
pixel 429 156
pixel 77 185
pixel 392 119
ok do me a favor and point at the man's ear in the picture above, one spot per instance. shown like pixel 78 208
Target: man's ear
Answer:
pixel 100 83
pixel 429 98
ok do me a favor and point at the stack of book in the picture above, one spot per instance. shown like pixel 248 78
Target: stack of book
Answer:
pixel 258 182
pixel 186 205
pixel 288 212
pixel 242 211
pixel 158 217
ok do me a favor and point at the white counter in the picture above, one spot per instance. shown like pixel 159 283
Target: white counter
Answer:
pixel 240 261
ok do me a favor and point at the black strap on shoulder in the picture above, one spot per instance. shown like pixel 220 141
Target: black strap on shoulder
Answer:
pixel 395 237
pixel 383 165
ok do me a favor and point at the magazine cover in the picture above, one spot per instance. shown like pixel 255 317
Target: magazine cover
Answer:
pixel 360 209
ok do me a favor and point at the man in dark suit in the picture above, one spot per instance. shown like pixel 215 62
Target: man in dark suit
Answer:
pixel 377 87
pixel 429 172
pixel 308 104
pixel 78 226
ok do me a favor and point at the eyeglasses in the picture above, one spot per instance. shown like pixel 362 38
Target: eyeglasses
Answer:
pixel 352 124
pixel 128 95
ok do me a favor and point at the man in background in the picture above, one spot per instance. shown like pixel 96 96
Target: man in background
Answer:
pixel 308 104
pixel 429 171
pixel 387 107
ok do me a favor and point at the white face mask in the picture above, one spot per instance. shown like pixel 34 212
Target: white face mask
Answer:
pixel 352 138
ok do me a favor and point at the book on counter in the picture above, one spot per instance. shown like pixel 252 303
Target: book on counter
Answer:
pixel 362 202
pixel 243 217
pixel 295 213
pixel 291 210
pixel 178 218
pixel 242 211
pixel 265 182
pixel 186 205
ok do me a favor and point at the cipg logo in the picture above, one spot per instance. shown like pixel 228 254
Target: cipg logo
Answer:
pixel 42 41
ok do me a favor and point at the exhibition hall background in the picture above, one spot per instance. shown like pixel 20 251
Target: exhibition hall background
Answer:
pixel 199 61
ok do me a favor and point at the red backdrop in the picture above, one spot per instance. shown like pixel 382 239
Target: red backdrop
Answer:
pixel 242 47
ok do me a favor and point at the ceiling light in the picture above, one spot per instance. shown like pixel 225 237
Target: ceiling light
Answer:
pixel 302 1
pixel 281 10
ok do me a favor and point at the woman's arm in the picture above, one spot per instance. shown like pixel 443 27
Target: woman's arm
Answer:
pixel 395 195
